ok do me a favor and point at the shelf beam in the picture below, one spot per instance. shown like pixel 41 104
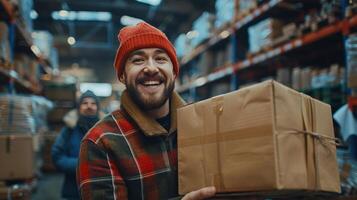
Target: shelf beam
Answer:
pixel 262 57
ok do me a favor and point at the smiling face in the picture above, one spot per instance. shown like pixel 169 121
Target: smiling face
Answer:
pixel 149 77
pixel 88 107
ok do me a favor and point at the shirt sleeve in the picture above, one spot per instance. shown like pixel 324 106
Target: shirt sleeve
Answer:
pixel 60 159
pixel 98 176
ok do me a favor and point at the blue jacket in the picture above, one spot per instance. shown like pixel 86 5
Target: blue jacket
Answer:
pixel 65 152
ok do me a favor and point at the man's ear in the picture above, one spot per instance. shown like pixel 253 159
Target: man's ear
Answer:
pixel 122 78
pixel 175 75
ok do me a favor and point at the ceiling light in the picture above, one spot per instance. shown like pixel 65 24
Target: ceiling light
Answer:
pixel 99 89
pixel 129 21
pixel 224 34
pixel 33 14
pixel 81 15
pixel 63 13
pixel 71 40
pixel 192 34
pixel 150 2
pixel 35 50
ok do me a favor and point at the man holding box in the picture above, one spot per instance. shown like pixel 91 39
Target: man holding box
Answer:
pixel 132 153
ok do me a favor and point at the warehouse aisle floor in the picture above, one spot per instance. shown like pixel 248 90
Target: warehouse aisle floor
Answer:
pixel 49 187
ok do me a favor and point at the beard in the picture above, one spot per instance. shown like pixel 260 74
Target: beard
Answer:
pixel 86 122
pixel 146 102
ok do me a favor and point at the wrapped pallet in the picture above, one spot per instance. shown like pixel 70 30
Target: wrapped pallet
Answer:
pixel 262 138
pixel 5 51
pixel 202 28
pixel 263 34
pixel 17 115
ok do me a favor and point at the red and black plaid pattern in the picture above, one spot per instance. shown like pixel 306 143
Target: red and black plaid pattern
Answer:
pixel 118 161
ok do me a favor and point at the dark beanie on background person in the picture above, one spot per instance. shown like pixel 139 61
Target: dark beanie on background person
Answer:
pixel 142 35
pixel 90 94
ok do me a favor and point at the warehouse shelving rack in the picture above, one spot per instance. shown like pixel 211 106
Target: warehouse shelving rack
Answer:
pixel 25 45
pixel 20 85
pixel 240 67
pixel 221 72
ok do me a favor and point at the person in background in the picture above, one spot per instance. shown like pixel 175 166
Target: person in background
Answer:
pixel 65 150
pixel 346 118
pixel 132 153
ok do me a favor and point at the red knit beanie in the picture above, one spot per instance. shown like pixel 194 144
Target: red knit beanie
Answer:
pixel 140 36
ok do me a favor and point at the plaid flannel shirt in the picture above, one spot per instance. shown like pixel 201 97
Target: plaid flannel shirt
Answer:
pixel 128 155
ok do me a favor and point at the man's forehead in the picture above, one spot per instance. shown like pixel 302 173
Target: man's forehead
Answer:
pixel 147 51
pixel 86 99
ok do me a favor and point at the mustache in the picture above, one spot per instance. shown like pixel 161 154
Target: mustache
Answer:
pixel 156 77
pixel 89 109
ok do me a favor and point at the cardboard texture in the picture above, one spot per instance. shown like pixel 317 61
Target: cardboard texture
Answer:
pixel 265 137
pixel 16 157
pixel 352 80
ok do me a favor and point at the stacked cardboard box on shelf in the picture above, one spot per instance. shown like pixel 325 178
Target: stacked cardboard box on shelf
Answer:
pixel 25 8
pixel 27 67
pixel 263 34
pixel 44 41
pixel 323 84
pixel 182 45
pixel 23 120
pixel 17 114
pixel 225 10
pixel 263 138
pixel 228 11
pixel 306 78
pixel 16 157
pixel 5 57
pixel 220 88
pixel 351 51
pixel 202 28
pixel 208 62
pixel 64 96
pixel 243 7
pixel 48 140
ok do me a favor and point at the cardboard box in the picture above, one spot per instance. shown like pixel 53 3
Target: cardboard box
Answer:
pixel 265 137
pixel 49 140
pixel 263 34
pixel 352 80
pixel 60 92
pixel 57 114
pixel 16 157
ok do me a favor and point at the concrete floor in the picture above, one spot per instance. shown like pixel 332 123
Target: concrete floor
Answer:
pixel 49 187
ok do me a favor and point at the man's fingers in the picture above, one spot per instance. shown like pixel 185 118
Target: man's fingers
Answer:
pixel 203 193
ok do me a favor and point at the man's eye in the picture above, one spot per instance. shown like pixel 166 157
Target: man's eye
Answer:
pixel 137 60
pixel 161 59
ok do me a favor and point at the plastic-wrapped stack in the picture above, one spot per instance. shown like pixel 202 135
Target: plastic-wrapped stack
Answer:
pixel 263 34
pixel 225 10
pixel 243 7
pixel 22 114
pixel 44 41
pixel 182 45
pixel 351 51
pixel 25 8
pixel 348 172
pixel 5 57
pixel 40 107
pixel 16 115
pixel 202 28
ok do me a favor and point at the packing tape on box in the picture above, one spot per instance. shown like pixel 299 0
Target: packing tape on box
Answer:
pixel 218 110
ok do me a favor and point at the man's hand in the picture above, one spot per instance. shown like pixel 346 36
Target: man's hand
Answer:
pixel 203 193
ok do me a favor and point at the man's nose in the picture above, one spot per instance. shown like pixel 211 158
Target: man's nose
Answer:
pixel 151 68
